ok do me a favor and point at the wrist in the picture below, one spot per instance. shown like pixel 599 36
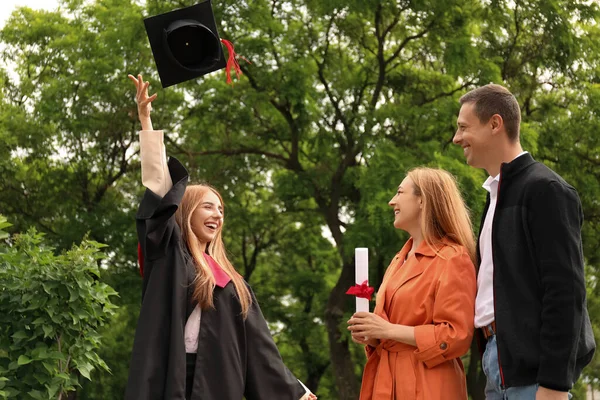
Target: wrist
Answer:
pixel 389 332
pixel 146 124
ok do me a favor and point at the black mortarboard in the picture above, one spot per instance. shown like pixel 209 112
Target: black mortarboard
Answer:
pixel 186 45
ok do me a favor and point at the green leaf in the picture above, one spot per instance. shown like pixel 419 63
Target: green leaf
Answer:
pixel 85 369
pixel 20 335
pixel 51 368
pixel 49 287
pixel 63 376
pixel 74 294
pixel 52 390
pixel 48 331
pixel 23 360
pixel 39 353
pixel 3 224
pixel 27 297
pixel 36 394
pixel 57 355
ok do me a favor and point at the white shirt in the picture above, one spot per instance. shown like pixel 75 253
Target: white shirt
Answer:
pixel 484 302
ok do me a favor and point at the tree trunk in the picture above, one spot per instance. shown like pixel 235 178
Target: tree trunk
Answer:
pixel 346 380
pixel 314 377
pixel 475 377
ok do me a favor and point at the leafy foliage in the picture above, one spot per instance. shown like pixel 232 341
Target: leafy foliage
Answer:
pixel 51 307
pixel 341 99
pixel 3 225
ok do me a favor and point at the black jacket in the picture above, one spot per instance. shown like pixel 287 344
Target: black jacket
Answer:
pixel 544 333
pixel 236 357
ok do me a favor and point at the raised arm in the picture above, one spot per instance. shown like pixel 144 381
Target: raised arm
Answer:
pixel 155 172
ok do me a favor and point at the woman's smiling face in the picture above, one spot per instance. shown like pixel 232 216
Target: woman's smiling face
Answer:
pixel 407 206
pixel 207 219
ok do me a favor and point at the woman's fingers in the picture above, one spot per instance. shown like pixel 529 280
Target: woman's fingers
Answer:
pixel 356 339
pixel 358 326
pixel 137 87
pixel 133 78
pixel 140 87
pixel 148 100
pixel 356 320
pixel 141 96
pixel 356 329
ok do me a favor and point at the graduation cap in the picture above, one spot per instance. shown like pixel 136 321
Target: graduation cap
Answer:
pixel 186 45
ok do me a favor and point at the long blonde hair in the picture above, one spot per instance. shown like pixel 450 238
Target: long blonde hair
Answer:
pixel 445 213
pixel 205 280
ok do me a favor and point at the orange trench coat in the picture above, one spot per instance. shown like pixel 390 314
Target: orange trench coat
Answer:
pixel 435 293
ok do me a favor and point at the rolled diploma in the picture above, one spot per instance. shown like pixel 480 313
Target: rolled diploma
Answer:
pixel 361 262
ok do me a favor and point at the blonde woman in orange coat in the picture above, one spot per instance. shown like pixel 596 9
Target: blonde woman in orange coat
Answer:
pixel 423 320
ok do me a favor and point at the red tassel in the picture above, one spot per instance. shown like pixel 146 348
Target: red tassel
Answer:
pixel 141 260
pixel 232 62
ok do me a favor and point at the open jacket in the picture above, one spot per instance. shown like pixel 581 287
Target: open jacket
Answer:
pixel 543 329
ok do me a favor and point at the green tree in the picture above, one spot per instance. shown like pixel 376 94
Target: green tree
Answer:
pixel 333 86
pixel 341 99
pixel 51 308
pixel 117 338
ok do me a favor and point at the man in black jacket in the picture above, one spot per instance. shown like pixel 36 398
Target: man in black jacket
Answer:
pixel 530 310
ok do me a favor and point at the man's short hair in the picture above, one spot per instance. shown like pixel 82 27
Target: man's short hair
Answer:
pixel 496 99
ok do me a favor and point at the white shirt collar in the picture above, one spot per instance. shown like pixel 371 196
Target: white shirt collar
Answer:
pixel 491 181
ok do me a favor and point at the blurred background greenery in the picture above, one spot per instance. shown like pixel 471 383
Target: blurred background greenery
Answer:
pixel 341 98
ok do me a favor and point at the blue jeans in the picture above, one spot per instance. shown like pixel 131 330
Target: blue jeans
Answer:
pixel 493 387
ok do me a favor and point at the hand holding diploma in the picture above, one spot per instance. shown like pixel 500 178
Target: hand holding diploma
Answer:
pixel 362 290
pixel 369 326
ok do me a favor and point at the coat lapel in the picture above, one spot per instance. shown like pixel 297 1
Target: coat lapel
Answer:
pixel 388 277
pixel 413 267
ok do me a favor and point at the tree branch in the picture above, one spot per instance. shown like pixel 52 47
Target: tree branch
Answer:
pixel 445 94
pixel 407 40
pixel 240 151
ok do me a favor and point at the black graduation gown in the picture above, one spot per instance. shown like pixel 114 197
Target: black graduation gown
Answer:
pixel 236 358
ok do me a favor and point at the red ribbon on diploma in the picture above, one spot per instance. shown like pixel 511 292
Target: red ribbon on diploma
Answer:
pixel 363 290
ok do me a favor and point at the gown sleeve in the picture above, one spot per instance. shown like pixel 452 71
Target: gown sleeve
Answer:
pixel 267 377
pixel 165 184
pixel 157 368
pixel 153 157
